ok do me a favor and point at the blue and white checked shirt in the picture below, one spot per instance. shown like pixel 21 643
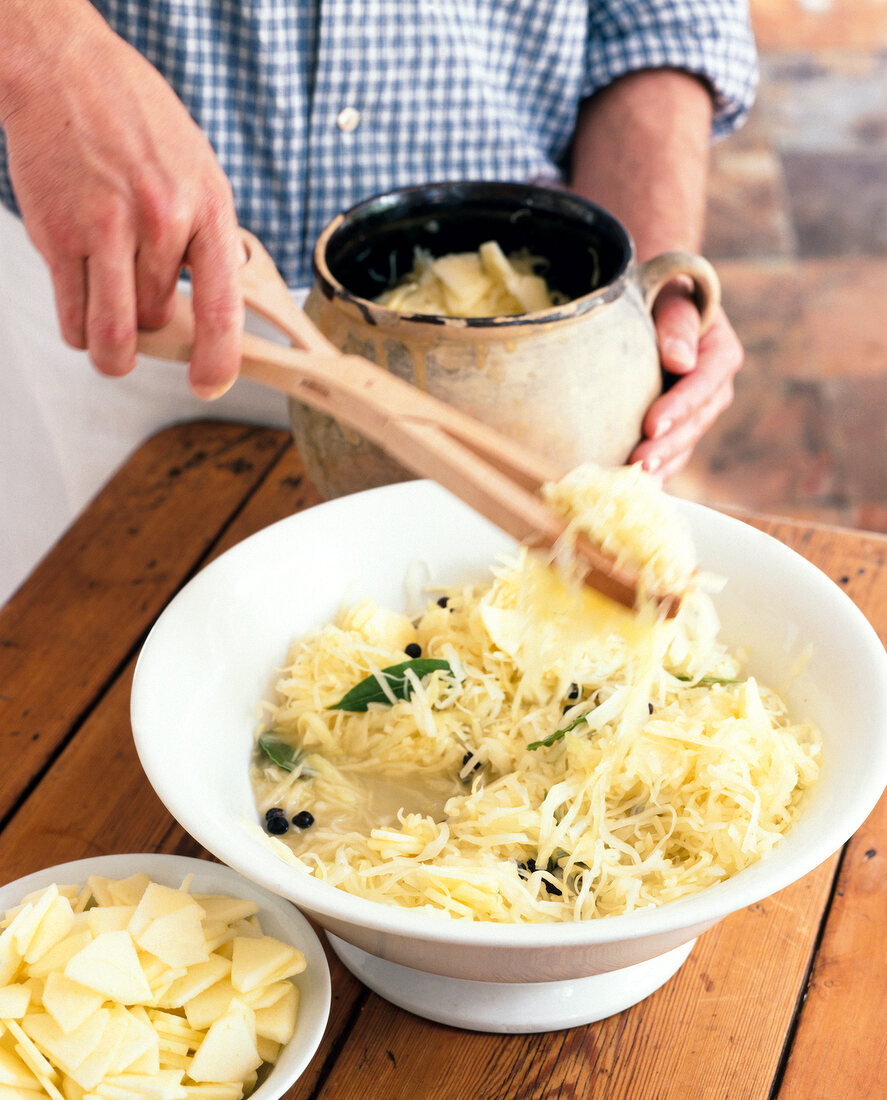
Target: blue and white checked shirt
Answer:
pixel 313 105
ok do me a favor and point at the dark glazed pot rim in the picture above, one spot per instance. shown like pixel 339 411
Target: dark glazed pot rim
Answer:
pixel 578 218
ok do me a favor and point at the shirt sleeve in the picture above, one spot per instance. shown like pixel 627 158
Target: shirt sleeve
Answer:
pixel 712 39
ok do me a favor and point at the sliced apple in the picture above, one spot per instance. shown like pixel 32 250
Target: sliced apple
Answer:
pixel 14 1073
pixel 260 960
pixel 95 1067
pixel 110 965
pixel 100 889
pixel 217 933
pixel 228 1051
pixel 139 1049
pixel 68 1002
pixel 221 908
pixel 24 924
pixel 269 1051
pixel 19 1092
pixel 169 1060
pixel 55 924
pixel 66 1050
pixel 166 1084
pixel 278 1021
pixel 265 995
pixel 116 992
pixel 196 979
pixel 169 924
pixel 171 1025
pixel 58 957
pixel 14 1001
pixel 200 1011
pixel 225 1091
pixel 128 891
pixel 10 959
pixel 109 918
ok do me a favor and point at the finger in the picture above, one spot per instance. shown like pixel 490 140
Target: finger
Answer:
pixel 683 401
pixel 69 286
pixel 677 328
pixel 165 224
pixel 157 273
pixel 214 259
pixel 720 358
pixel 672 468
pixel 111 310
pixel 671 452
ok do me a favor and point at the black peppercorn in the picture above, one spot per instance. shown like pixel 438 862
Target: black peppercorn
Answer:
pixel 303 819
pixel 275 821
pixel 413 650
pixel 476 766
pixel 443 601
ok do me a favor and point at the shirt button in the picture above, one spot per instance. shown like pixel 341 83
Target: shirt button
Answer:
pixel 348 119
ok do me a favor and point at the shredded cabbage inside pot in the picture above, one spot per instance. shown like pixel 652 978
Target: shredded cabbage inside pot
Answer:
pixel 571 761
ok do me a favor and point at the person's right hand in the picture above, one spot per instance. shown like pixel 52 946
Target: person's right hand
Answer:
pixel 118 190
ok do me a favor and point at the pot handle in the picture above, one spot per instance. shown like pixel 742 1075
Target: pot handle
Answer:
pixel 652 275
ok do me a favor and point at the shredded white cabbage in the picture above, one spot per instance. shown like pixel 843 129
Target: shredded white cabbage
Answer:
pixel 486 283
pixel 663 771
pixel 626 513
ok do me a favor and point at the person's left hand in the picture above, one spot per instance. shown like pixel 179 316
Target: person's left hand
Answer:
pixel 704 369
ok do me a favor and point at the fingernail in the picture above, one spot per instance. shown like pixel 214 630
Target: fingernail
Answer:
pixel 652 464
pixel 663 428
pixel 212 392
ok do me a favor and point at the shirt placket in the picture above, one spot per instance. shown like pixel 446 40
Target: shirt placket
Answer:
pixel 337 115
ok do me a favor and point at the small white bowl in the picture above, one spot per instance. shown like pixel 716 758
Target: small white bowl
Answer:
pixel 210 658
pixel 279 918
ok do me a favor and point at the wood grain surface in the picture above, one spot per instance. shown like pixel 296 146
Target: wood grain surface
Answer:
pixel 783 999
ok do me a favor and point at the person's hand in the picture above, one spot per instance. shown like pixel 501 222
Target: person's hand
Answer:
pixel 703 370
pixel 118 190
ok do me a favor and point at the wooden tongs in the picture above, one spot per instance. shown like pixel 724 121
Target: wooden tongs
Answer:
pixel 494 475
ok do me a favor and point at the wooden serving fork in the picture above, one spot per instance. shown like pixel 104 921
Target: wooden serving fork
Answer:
pixel 493 474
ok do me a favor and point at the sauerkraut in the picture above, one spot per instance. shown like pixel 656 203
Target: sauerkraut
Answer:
pixel 486 283
pixel 528 751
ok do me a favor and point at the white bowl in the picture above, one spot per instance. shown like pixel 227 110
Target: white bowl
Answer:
pixel 211 656
pixel 278 917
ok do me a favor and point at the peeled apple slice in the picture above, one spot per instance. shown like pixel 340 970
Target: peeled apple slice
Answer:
pixel 116 992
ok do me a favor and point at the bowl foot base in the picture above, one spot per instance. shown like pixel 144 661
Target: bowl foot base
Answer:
pixel 510 1007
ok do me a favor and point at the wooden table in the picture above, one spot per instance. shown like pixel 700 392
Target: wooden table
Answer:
pixel 785 999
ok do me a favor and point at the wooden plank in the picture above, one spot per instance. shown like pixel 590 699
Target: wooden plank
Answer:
pixel 95 800
pixel 855 560
pixel 715 1030
pixel 839 1047
pixel 77 619
pixel 93 797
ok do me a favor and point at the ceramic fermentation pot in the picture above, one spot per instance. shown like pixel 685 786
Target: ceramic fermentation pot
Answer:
pixel 574 380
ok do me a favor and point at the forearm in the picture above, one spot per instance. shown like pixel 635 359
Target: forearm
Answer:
pixel 641 150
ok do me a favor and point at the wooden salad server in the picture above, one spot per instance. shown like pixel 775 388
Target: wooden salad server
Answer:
pixel 493 474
